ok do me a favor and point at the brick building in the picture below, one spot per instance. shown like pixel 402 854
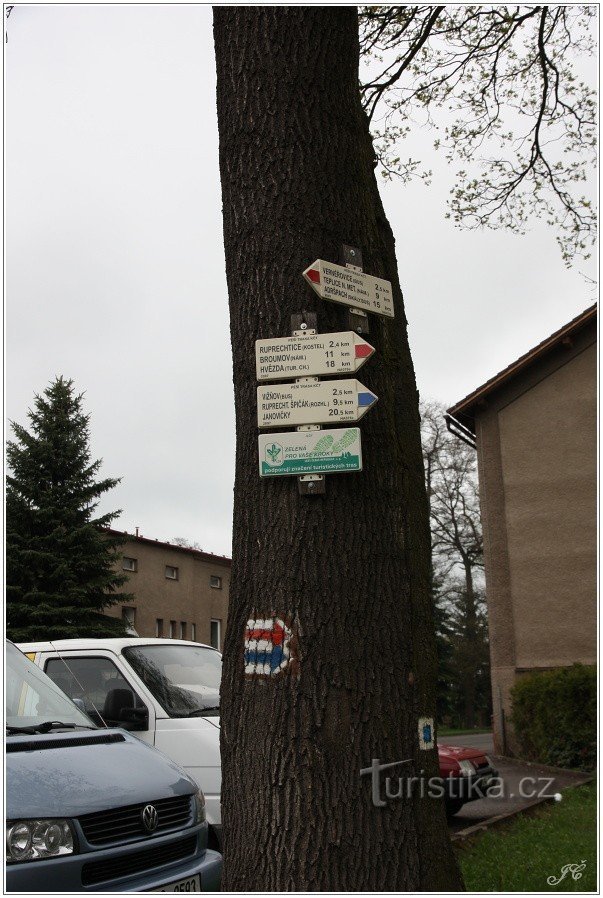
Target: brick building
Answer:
pixel 179 593
pixel 535 428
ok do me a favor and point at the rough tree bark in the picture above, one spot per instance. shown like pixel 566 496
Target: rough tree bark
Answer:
pixel 351 569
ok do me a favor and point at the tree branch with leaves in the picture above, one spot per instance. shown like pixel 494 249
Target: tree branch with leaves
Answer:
pixel 524 122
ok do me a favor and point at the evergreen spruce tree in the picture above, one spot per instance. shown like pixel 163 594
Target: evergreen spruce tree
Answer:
pixel 59 558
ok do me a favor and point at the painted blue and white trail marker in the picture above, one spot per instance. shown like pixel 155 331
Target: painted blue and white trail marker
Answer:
pixel 426 733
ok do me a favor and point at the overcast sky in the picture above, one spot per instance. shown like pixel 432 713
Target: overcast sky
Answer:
pixel 115 263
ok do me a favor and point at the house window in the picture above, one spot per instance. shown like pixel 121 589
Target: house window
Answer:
pixel 171 573
pixel 128 616
pixel 159 627
pixel 193 632
pixel 182 629
pixel 130 564
pixel 172 629
pixel 214 633
pixel 215 582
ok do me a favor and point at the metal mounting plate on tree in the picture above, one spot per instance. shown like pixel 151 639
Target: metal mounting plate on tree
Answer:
pixel 337 283
pixel 310 354
pixel 310 452
pixel 313 402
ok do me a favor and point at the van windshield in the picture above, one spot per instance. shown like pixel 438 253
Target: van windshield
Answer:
pixel 185 679
pixel 33 701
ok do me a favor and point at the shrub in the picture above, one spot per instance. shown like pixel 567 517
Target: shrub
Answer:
pixel 555 717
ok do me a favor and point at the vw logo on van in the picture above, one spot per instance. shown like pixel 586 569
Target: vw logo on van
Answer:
pixel 150 818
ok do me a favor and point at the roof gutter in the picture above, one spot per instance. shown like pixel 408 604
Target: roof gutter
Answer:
pixel 460 431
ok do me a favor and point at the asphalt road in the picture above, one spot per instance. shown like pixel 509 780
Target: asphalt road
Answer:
pixel 521 784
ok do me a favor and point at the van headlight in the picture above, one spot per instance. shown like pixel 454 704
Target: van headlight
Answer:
pixel 32 840
pixel 467 768
pixel 199 807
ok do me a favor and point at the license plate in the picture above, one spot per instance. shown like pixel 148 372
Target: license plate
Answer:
pixel 191 884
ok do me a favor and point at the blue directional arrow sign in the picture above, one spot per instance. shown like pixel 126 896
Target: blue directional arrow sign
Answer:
pixel 366 399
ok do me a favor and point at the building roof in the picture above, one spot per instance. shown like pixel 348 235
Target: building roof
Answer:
pixel 465 409
pixel 198 553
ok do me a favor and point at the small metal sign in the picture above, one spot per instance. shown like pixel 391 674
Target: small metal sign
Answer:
pixel 337 283
pixel 313 402
pixel 310 452
pixel 311 354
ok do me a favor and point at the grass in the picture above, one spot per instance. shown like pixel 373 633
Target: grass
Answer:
pixel 450 731
pixel 520 856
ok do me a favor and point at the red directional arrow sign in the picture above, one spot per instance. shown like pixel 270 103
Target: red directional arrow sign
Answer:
pixel 351 288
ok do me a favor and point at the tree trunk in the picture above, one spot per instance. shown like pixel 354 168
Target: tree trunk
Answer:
pixel 347 572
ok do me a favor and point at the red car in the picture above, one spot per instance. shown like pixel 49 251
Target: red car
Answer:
pixel 466 773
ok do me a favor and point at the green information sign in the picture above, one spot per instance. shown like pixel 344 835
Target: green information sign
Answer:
pixel 310 452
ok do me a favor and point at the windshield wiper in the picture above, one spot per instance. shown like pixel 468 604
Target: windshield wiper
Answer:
pixel 46 727
pixel 201 712
pixel 49 725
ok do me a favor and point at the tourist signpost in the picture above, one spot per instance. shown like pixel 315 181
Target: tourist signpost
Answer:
pixel 306 403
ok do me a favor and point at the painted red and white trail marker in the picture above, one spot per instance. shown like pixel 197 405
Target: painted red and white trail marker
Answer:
pixel 310 354
pixel 336 283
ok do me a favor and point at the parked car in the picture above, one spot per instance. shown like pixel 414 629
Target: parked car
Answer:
pixel 167 691
pixel 467 772
pixel 91 810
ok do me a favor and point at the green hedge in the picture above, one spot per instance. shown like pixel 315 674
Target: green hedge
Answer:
pixel 555 717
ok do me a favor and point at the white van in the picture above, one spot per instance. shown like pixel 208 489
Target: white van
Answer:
pixel 164 690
